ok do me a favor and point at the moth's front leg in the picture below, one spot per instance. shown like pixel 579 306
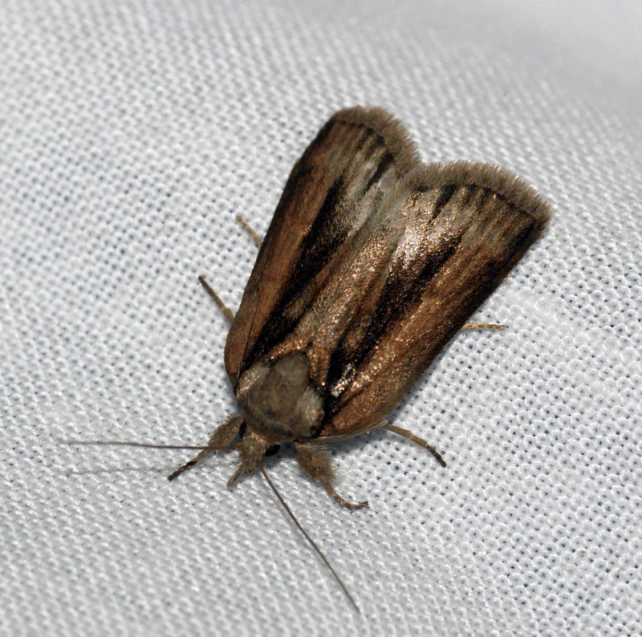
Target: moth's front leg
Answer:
pixel 221 440
pixel 316 462
pixel 227 313
pixel 248 228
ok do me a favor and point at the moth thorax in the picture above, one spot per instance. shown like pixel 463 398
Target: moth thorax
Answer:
pixel 279 401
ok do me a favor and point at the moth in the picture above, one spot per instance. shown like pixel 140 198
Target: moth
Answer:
pixel 373 261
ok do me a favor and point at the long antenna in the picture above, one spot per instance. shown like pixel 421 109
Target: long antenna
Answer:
pixel 119 443
pixel 307 537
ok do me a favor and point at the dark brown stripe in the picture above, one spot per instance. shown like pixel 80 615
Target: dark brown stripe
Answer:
pixel 445 195
pixel 366 138
pixel 399 295
pixel 318 246
pixel 385 162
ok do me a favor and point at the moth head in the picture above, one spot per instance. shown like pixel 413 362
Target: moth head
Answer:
pixel 251 449
pixel 279 401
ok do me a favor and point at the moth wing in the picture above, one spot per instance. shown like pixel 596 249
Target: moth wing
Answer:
pixel 452 233
pixel 334 189
pixel 373 261
pixel 404 283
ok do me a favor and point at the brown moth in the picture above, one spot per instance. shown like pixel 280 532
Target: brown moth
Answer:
pixel 373 261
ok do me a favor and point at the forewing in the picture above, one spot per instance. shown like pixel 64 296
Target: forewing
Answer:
pixel 457 231
pixel 335 190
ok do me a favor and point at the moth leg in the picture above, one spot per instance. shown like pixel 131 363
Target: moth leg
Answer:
pixel 250 231
pixel 221 439
pixel 416 439
pixel 483 326
pixel 229 315
pixel 315 461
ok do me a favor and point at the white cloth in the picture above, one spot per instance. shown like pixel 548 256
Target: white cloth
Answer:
pixel 131 134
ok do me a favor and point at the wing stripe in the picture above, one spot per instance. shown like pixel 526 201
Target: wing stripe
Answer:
pixel 445 195
pixel 383 166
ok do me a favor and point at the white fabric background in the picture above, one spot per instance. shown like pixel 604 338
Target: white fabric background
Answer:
pixel 131 133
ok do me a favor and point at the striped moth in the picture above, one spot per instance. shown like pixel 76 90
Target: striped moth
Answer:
pixel 373 261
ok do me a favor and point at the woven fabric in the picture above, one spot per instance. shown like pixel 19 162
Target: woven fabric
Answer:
pixel 131 134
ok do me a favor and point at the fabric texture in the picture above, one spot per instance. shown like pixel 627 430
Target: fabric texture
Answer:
pixel 131 134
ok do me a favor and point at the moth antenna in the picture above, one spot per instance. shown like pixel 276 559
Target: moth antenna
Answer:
pixel 307 537
pixel 120 443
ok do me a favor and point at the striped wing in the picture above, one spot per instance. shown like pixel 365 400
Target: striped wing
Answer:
pixel 374 261
pixel 334 189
